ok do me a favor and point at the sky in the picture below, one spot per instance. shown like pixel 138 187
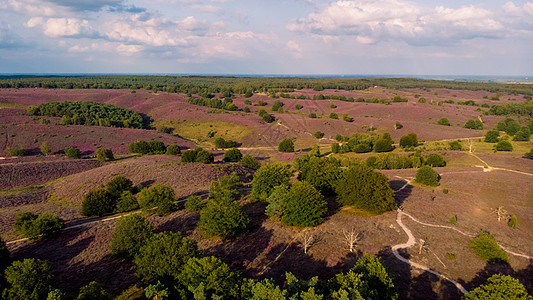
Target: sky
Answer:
pixel 372 37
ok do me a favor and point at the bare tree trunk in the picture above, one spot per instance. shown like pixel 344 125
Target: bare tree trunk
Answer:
pixel 307 239
pixel 351 237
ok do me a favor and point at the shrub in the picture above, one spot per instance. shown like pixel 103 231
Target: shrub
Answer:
pixel 492 136
pixel 365 189
pixel 126 202
pixel 164 254
pixel 247 102
pixel 223 218
pixel 512 222
pixel 35 227
pixel 16 152
pixel 250 161
pixel 529 154
pixel 426 175
pixel 276 201
pixel 499 286
pixel 104 154
pixel 298 106
pixel 303 206
pixel 93 291
pixel 159 196
pixel 205 157
pixel 473 124
pixel 488 249
pixel 226 188
pixel 118 185
pixel 335 148
pixel 221 143
pixel 510 126
pixel 503 146
pixel 268 118
pixel 286 145
pixel 246 110
pixel 444 122
pixel 522 135
pixel 398 125
pixel 45 148
pixel 318 134
pixel 445 191
pixel 362 148
pixel 194 203
pixel 333 115
pixel 173 150
pixel 131 233
pixel 140 147
pixel 213 276
pixel 410 140
pixel 312 115
pixel 435 160
pixel 267 177
pixel 98 202
pixel 189 156
pixel 232 155
pixel 453 219
pixel 28 279
pixel 346 117
pixel 383 145
pixel 277 105
pixel 455 145
pixel 72 152
pixel 321 173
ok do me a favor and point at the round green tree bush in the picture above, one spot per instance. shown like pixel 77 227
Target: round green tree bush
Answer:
pixel 173 150
pixel 364 188
pixel 232 155
pixel 72 152
pixel 164 254
pixel 503 146
pixel 98 202
pixel 303 206
pixel 250 161
pixel 444 122
pixel 383 145
pixel 45 148
pixel 474 124
pixel 126 202
pixel 194 203
pixel 426 175
pixel 499 286
pixel 435 160
pixel 318 134
pixel 486 247
pixel 410 140
pixel 522 135
pixel 189 156
pixel 455 145
pixel 118 185
pixel 131 233
pixel 286 145
pixel 267 177
pixel 104 154
pixel 159 196
pixel 224 218
pixel 28 279
pixel 93 291
pixel 492 136
pixel 321 173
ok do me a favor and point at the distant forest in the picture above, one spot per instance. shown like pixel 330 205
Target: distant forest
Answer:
pixel 229 86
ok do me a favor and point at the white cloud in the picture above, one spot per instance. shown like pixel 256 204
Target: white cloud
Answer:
pixel 58 27
pixel 371 21
pixel 34 22
pixel 295 49
pixel 129 49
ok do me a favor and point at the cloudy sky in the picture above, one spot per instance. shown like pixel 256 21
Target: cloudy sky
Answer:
pixel 417 37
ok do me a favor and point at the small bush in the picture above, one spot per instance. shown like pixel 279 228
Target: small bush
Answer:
pixel 503 146
pixel 104 154
pixel 410 140
pixel 127 202
pixel 232 155
pixel 453 219
pixel 318 134
pixel 221 143
pixel 194 203
pixel 529 154
pixel 473 124
pixel 247 102
pixel 435 160
pixel 35 227
pixel 512 222
pixel 488 249
pixel 492 136
pixel 45 148
pixel 93 291
pixel 72 152
pixel 159 196
pixel 16 152
pixel 277 105
pixel 444 122
pixel 426 175
pixel 224 219
pixel 303 206
pixel 298 106
pixel 312 115
pixel 250 161
pixel 522 135
pixel 268 118
pixel 335 148
pixel 173 150
pixel 118 185
pixel 382 145
pixel 246 110
pixel 346 118
pixel 98 202
pixel 445 191
pixel 333 116
pixel 286 145
pixel 131 233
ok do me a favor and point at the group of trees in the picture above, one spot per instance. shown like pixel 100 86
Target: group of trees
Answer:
pixel 153 147
pixel 226 104
pixel 473 124
pixel 36 227
pixel 221 143
pixel 197 155
pixel 268 118
pixel 390 161
pixel 90 114
pixel 116 197
pixel 362 143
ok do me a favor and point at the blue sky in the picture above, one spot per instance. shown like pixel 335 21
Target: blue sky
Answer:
pixel 432 37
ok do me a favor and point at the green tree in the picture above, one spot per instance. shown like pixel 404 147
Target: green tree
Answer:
pixel 158 196
pixel 72 152
pixel 118 185
pixel 321 173
pixel 333 115
pixel 204 157
pixel 277 105
pixel 16 152
pixel 303 206
pixel 435 160
pixel 56 294
pixel 218 281
pixel 522 135
pixel 529 154
pixel 312 116
pixel 141 147
pixel 426 175
pixel 131 233
pixel 194 203
pixel 225 188
pixel 189 156
pixel 383 145
pixel 267 177
pixel 473 124
pixel 335 148
pixel 156 291
pixel 126 202
pixel 510 126
pixel 250 161
pixel 104 154
pixel 45 148
pixel 512 222
pixel 486 247
pixel 28 279
pixel 499 286
pixel 223 218
pixel 410 140
pixel 43 226
pixel 163 256
pixel 232 155
pixel 492 136
pixel 455 145
pixel 444 122
pixel 366 189
pixel 346 117
pixel 173 150
pixel 286 145
pixel 93 291
pixel 98 202
pixel 265 289
pixel 503 146
pixel 275 202
pixel 318 134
